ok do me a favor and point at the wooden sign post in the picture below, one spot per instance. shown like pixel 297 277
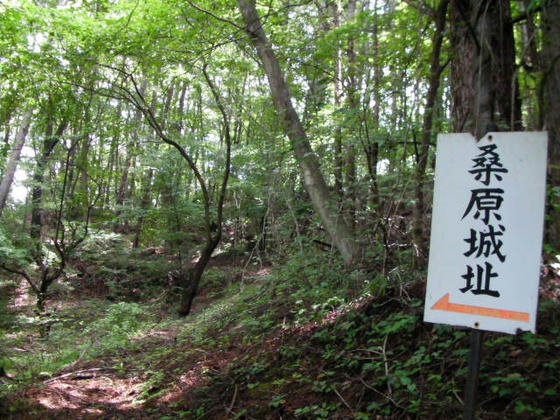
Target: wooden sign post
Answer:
pixel 486 237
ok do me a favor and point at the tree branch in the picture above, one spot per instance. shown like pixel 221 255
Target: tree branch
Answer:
pixel 22 273
pixel 227 135
pixel 221 19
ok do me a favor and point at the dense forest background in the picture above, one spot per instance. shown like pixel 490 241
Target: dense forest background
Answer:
pixel 221 209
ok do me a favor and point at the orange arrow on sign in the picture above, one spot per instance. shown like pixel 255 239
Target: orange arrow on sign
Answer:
pixel 444 305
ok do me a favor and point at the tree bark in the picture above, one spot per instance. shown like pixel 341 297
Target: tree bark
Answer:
pixel 13 160
pixel 192 281
pixel 551 111
pixel 482 71
pixel 307 160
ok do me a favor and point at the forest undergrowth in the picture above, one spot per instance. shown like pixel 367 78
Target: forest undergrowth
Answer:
pixel 301 338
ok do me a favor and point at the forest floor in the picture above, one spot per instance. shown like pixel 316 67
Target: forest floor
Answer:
pixel 262 342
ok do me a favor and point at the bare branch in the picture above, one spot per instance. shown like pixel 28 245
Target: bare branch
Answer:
pixel 140 103
pixel 22 273
pixel 221 19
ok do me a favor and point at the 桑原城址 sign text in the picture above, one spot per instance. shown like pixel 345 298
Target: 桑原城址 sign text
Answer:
pixel 486 237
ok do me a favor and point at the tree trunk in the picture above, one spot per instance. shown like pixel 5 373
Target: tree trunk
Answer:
pixel 307 160
pixel 49 143
pixel 352 103
pixel 190 290
pixel 13 160
pixel 482 72
pixel 371 146
pixel 338 105
pixel 418 231
pixel 551 111
pixel 192 281
pixel 144 205
pixel 131 150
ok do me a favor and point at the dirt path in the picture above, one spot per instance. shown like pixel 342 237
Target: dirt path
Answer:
pixel 21 297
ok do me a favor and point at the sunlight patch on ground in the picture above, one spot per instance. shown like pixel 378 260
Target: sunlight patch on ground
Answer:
pixel 89 395
pixel 22 297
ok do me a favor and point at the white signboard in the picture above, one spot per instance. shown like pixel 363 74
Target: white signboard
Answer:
pixel 487 224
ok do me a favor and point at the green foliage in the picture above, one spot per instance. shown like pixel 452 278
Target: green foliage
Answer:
pixel 91 330
pixel 313 285
pixel 121 322
pixel 349 340
pixel 12 251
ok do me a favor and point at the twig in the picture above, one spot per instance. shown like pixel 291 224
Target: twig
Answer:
pixel 221 19
pixel 342 399
pixel 458 397
pixel 380 393
pixel 77 372
pixel 386 363
pixel 233 399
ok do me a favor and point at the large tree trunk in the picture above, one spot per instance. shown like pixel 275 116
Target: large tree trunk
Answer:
pixel 312 177
pixel 482 71
pixel 551 110
pixel 13 160
pixel 418 231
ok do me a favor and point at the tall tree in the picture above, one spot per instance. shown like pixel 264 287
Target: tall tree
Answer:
pixel 482 69
pixel 418 231
pixel 14 157
pixel 551 110
pixel 313 179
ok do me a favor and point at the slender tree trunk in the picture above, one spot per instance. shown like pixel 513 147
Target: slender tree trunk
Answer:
pixel 49 143
pixel 192 280
pixel 144 205
pixel 371 146
pixel 212 240
pixel 125 180
pixel 6 123
pixel 530 61
pixel 353 104
pixel 338 161
pixel 123 185
pixel 418 230
pixel 13 160
pixel 110 169
pixel 551 111
pixel 312 177
pixel 83 168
